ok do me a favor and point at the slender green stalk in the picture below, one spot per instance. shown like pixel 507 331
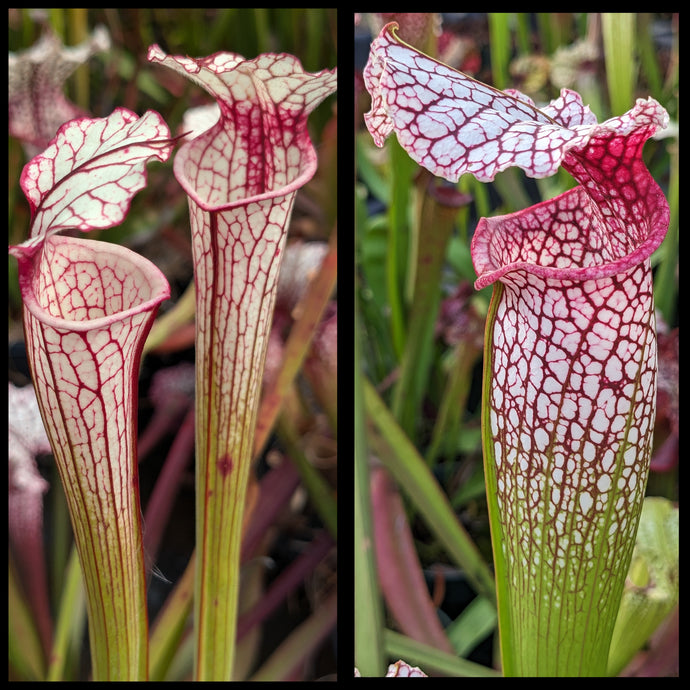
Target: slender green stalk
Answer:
pixel 261 28
pixel 168 629
pixel 433 230
pixel 368 607
pixel 476 622
pixel 618 32
pixel 57 21
pixel 649 62
pixel 398 231
pixel 500 45
pixel 448 424
pixel 666 278
pixel 70 621
pixel 78 31
pixel 523 33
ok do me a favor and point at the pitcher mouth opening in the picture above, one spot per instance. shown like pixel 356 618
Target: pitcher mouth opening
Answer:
pixel 489 272
pixel 143 289
pixel 214 202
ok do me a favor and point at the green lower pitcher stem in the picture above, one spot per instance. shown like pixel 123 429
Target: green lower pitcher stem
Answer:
pixel 234 311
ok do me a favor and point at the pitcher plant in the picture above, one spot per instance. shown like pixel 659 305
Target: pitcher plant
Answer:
pixel 570 355
pixel 241 177
pixel 88 307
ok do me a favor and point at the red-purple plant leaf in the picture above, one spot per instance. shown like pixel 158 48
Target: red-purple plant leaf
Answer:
pixel 400 572
pixel 37 104
pixel 88 175
pixel 667 428
pixel 321 366
pixel 241 177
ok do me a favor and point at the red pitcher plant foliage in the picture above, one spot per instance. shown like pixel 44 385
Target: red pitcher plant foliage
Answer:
pixel 88 308
pixel 570 346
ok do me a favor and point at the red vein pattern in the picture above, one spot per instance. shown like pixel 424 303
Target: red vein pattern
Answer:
pixel 88 175
pixel 241 177
pixel 571 341
pixel 573 361
pixel 88 307
pixel 452 124
pixel 84 358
